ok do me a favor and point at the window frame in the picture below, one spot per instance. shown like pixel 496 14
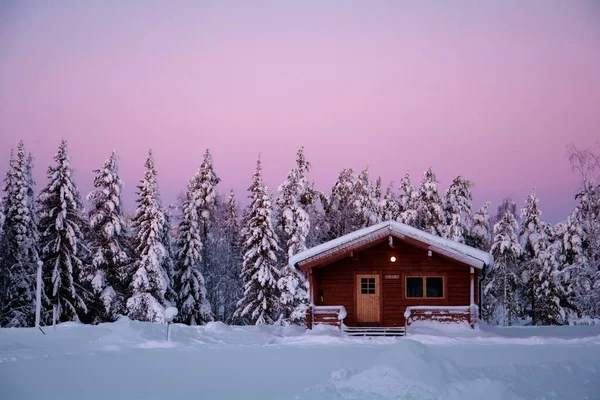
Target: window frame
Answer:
pixel 371 286
pixel 424 277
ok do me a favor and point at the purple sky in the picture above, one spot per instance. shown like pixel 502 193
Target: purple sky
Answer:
pixel 492 91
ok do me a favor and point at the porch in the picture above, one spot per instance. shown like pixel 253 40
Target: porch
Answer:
pixel 335 315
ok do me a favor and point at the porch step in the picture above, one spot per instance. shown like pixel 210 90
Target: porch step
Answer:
pixel 374 331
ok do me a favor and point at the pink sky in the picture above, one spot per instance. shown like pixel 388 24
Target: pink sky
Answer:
pixel 492 91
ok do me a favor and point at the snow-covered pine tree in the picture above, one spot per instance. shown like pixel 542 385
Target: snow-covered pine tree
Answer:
pixel 60 226
pixel 19 243
pixel 259 304
pixel 340 217
pixel 478 235
pixel 364 201
pixel 107 241
pixel 407 201
pixel 500 293
pixel 457 207
pixel 294 227
pixel 533 241
pixel 194 308
pixel 430 211
pixel 390 209
pixel 151 280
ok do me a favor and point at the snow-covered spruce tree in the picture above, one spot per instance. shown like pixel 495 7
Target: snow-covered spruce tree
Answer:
pixel 407 201
pixel 169 263
pixel 293 223
pixel 572 264
pixel 320 231
pixel 586 162
pixel 194 308
pixel 500 294
pixel 2 217
pixel 60 226
pixel 507 205
pixel 478 235
pixel 549 292
pixel 379 198
pixel 340 215
pixel 390 209
pixel 19 243
pixel 364 201
pixel 294 226
pixel 227 255
pixel 588 214
pixel 259 304
pixel 533 241
pixel 151 280
pixel 107 242
pixel 204 183
pixel 6 255
pixel 579 270
pixel 430 211
pixel 457 207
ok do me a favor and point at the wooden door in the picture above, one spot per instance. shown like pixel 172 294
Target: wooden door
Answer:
pixel 368 299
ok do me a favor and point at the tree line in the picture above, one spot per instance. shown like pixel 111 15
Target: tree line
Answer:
pixel 214 262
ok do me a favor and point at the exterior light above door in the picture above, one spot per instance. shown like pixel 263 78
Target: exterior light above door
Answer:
pixel 393 259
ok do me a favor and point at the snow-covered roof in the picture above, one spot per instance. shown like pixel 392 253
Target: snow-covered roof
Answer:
pixel 364 237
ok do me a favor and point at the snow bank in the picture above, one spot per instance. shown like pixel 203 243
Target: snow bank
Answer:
pixel 216 361
pixel 411 370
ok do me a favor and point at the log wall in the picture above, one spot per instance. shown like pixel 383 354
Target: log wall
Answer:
pixel 334 284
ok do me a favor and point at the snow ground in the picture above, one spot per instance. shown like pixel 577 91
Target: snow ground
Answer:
pixel 131 360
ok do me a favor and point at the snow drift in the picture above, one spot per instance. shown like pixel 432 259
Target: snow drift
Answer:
pixel 131 360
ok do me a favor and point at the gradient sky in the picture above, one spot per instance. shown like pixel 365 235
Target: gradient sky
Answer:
pixel 489 90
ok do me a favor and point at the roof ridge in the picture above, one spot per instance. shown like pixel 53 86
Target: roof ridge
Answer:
pixel 455 250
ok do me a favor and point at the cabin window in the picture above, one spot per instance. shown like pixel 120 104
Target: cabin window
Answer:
pixel 414 286
pixel 367 285
pixel 435 286
pixel 425 287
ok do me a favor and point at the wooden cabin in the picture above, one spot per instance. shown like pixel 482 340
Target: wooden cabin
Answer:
pixel 383 278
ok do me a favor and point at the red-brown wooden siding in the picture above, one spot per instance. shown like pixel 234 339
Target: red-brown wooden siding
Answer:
pixel 336 281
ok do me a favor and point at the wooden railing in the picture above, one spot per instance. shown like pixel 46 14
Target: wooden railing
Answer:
pixel 328 315
pixel 443 314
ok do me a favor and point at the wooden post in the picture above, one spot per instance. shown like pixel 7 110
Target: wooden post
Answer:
pixel 309 317
pixel 472 286
pixel 38 294
pixel 311 299
pixel 472 309
pixel 311 288
pixel 54 317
